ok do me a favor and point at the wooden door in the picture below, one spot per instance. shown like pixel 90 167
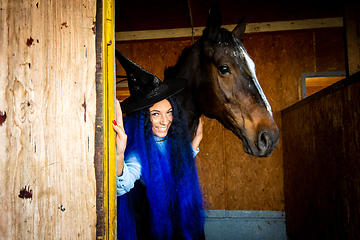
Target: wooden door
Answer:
pixel 56 159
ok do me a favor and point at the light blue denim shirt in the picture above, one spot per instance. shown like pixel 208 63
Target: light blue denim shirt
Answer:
pixel 132 169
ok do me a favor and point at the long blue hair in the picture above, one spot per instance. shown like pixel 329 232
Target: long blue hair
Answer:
pixel 171 181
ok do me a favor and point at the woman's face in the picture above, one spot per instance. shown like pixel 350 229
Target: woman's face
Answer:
pixel 161 117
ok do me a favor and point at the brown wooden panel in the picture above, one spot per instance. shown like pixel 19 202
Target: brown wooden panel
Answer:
pixel 321 165
pixel 47 90
pixel 211 165
pixel 330 50
pixel 280 58
pixel 124 48
pixel 156 56
pixel 122 92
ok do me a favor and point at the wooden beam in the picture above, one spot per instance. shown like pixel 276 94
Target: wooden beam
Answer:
pixel 250 28
pixel 352 36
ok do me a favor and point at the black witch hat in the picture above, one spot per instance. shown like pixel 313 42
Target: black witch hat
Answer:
pixel 145 88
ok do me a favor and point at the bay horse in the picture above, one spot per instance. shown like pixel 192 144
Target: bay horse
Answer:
pixel 223 85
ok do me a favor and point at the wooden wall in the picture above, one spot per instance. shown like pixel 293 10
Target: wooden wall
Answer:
pixel 47 114
pixel 321 163
pixel 231 179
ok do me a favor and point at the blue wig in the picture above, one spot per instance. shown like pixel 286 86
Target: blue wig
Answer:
pixel 171 181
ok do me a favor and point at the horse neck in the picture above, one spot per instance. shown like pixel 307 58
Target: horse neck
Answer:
pixel 185 66
pixel 189 69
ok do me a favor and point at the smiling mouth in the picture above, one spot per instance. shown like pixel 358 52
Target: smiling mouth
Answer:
pixel 162 129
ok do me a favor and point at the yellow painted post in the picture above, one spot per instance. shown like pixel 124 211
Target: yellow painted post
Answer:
pixel 109 110
pixel 104 159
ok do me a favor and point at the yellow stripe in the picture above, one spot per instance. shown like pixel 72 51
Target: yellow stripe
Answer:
pixel 109 108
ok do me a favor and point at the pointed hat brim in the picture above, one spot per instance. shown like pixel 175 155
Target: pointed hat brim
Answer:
pixel 132 103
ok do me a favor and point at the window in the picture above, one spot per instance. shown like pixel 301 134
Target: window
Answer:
pixel 314 82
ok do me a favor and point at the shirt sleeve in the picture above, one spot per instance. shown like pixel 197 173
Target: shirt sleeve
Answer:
pixel 131 173
pixel 195 152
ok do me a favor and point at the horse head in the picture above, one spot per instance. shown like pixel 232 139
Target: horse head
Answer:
pixel 223 85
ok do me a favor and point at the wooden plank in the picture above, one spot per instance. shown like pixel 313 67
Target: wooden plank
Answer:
pixel 250 28
pixel 330 51
pixel 321 165
pixel 47 90
pixel 352 26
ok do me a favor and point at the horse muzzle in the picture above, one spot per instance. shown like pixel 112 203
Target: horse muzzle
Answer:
pixel 264 143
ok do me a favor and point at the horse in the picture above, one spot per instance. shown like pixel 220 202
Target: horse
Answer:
pixel 223 85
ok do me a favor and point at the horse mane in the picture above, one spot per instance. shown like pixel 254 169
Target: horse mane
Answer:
pixel 170 72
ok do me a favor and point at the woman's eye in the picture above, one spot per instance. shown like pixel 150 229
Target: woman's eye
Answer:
pixel 224 69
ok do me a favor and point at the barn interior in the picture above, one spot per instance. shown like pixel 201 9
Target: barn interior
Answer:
pixel 57 92
pixel 303 50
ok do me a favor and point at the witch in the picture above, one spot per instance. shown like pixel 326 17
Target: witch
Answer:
pixel 158 191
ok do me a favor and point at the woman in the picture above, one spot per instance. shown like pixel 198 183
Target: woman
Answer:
pixel 157 185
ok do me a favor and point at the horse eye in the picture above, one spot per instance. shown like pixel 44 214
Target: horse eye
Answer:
pixel 224 69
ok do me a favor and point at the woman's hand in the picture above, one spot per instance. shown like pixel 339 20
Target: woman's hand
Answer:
pixel 198 135
pixel 120 140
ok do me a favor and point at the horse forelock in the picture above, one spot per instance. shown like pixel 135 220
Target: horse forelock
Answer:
pixel 225 37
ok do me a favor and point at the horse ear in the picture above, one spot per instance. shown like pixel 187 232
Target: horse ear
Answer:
pixel 239 30
pixel 213 22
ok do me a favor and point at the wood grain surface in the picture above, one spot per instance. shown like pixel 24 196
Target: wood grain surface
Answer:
pixel 47 90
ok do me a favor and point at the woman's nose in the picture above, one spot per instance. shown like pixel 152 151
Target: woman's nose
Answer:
pixel 164 120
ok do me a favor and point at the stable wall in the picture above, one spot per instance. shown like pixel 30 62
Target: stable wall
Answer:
pixel 231 179
pixel 47 115
pixel 321 163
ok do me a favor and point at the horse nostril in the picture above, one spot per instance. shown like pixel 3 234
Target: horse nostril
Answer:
pixel 246 147
pixel 263 141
